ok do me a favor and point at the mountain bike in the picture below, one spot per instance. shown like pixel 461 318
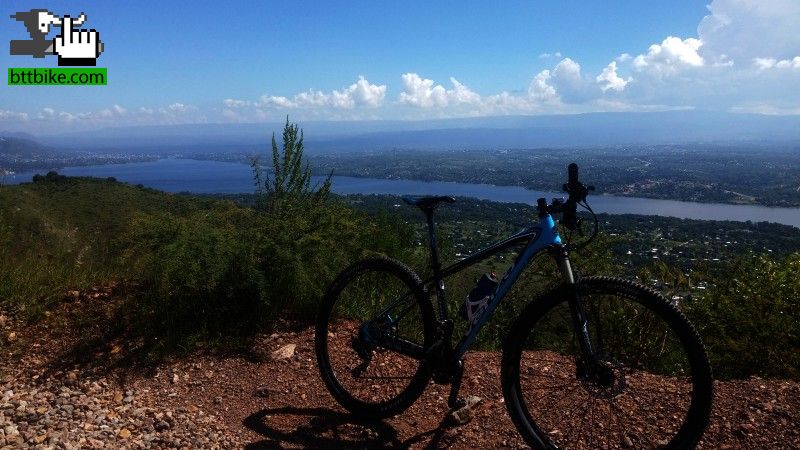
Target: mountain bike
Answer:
pixel 596 362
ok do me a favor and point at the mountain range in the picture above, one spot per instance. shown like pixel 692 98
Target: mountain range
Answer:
pixel 574 130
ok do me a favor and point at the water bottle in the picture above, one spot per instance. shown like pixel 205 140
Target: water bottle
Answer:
pixel 478 297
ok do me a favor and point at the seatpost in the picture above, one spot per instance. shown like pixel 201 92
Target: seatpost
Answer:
pixel 437 265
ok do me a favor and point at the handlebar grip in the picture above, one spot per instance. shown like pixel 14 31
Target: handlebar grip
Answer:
pixel 572 171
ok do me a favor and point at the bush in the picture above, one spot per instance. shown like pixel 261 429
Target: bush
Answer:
pixel 232 270
pixel 201 272
pixel 749 319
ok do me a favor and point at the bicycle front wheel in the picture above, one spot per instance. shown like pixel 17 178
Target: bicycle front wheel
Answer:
pixel 373 328
pixel 648 384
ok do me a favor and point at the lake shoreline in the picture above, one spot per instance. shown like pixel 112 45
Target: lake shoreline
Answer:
pixel 209 177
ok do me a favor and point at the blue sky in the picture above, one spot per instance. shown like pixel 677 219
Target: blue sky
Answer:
pixel 184 62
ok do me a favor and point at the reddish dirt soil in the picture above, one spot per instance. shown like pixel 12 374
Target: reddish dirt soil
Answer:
pixel 255 401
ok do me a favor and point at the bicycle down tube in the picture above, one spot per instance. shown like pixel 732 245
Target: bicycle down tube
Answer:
pixel 539 238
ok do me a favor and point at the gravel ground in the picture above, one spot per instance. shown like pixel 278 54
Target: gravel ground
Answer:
pixel 257 401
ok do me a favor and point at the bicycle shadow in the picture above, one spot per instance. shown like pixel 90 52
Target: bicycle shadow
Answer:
pixel 329 429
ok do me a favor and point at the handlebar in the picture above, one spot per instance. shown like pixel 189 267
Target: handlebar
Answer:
pixel 577 193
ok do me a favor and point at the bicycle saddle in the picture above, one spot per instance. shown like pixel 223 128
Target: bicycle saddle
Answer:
pixel 427 202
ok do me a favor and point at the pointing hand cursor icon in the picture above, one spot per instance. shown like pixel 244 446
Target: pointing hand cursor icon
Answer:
pixel 75 46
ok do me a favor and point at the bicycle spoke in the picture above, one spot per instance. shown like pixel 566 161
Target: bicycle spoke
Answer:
pixel 637 379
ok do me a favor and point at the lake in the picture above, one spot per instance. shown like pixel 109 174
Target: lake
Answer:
pixel 203 177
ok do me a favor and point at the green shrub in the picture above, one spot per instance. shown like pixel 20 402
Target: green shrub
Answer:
pixel 750 319
pixel 200 272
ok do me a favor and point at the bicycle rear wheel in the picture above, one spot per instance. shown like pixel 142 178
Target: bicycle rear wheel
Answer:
pixel 373 328
pixel 650 385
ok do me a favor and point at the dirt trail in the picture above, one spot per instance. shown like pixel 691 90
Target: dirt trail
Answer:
pixel 258 402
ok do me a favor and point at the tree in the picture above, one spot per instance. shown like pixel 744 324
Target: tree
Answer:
pixel 291 175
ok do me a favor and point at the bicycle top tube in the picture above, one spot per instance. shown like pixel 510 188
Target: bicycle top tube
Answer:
pixel 546 237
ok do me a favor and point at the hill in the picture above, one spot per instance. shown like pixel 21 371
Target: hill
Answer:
pixel 20 151
pixel 104 284
pixel 590 129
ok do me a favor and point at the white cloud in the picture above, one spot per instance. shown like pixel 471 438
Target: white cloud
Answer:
pixel 540 88
pixel 46 113
pixel 424 93
pixel 13 115
pixel 747 29
pixel 570 84
pixel 177 107
pixel 233 103
pixel 671 56
pixel 794 63
pixel 278 102
pixel 550 55
pixel 609 79
pixel 359 94
pixel 362 93
pixel 772 63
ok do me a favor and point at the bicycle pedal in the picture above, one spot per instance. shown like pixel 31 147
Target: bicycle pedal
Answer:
pixel 459 403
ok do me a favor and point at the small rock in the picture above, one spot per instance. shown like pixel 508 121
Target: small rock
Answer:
pixel 626 442
pixel 175 378
pixel 287 351
pixel 13 337
pixel 161 425
pixel 124 433
pixel 463 415
pixel 466 412
pixel 262 392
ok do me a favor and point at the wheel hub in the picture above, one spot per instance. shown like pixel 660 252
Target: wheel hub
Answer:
pixel 603 379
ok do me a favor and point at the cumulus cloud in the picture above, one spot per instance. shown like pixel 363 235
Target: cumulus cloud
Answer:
pixel 571 85
pixel 609 79
pixel 541 89
pixel 424 93
pixel 359 94
pixel 772 63
pixel 671 56
pixel 747 29
pixel 743 58
pixel 233 103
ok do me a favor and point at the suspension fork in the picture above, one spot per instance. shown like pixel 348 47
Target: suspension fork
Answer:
pixel 580 321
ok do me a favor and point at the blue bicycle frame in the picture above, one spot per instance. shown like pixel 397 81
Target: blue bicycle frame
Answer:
pixel 543 236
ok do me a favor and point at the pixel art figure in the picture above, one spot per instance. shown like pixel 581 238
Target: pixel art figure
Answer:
pixel 74 46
